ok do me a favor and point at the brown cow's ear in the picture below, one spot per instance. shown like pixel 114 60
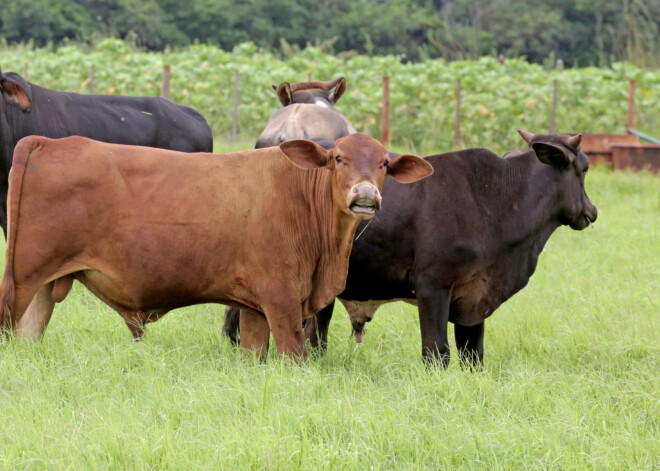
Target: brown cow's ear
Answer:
pixel 14 92
pixel 284 93
pixel 552 154
pixel 306 154
pixel 408 168
pixel 339 90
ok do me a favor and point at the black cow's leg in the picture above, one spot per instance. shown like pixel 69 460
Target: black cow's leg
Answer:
pixel 4 186
pixel 433 303
pixel 470 344
pixel 316 330
pixel 231 327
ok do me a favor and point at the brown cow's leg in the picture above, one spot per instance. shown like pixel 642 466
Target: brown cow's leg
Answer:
pixel 31 322
pixel 255 333
pixel 284 316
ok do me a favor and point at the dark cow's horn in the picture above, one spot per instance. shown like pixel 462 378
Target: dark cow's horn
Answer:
pixel 329 85
pixel 527 136
pixel 574 141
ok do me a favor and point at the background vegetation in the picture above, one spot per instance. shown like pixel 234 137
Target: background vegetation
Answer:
pixel 582 32
pixel 496 99
pixel 571 378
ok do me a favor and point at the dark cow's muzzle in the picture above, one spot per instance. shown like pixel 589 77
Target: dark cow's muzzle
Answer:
pixel 587 217
pixel 364 200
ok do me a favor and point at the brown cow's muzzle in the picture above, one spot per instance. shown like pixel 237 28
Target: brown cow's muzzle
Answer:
pixel 364 200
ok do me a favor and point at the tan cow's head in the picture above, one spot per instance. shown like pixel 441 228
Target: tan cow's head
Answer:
pixel 359 164
pixel 325 94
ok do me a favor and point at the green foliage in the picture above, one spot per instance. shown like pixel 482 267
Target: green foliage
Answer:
pixel 495 101
pixel 583 32
pixel 570 383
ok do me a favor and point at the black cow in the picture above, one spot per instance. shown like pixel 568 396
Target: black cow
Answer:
pixel 27 109
pixel 471 244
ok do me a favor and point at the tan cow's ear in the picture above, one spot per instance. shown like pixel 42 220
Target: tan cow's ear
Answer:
pixel 14 92
pixel 283 91
pixel 408 168
pixel 305 154
pixel 339 90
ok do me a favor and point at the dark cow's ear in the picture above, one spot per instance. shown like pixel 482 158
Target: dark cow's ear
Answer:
pixel 339 90
pixel 408 168
pixel 306 154
pixel 553 154
pixel 283 91
pixel 14 92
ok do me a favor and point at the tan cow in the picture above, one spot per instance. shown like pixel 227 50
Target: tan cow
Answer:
pixel 308 113
pixel 150 230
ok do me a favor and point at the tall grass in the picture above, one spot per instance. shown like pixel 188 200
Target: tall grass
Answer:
pixel 572 377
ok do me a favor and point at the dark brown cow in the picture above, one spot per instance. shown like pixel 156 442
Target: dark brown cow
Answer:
pixel 308 113
pixel 149 230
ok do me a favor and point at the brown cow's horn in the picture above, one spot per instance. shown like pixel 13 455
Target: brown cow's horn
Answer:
pixel 527 136
pixel 574 141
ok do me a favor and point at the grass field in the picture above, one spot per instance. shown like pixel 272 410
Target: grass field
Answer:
pixel 572 377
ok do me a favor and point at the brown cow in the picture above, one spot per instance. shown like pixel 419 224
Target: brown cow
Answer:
pixel 150 230
pixel 308 113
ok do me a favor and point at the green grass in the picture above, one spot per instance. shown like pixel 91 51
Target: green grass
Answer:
pixel 572 377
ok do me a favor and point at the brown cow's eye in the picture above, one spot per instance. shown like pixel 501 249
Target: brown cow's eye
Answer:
pixel 338 159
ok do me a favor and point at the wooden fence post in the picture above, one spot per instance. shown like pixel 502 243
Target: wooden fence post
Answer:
pixel 554 107
pixel 309 77
pixel 234 127
pixel 631 105
pixel 457 124
pixel 25 71
pixel 167 72
pixel 385 112
pixel 92 78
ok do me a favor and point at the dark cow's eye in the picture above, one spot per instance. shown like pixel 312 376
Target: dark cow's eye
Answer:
pixel 338 159
pixel 586 170
pixel 386 162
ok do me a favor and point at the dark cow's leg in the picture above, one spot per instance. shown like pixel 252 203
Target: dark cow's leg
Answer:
pixel 231 327
pixel 4 188
pixel 255 332
pixel 316 330
pixel 470 344
pixel 433 303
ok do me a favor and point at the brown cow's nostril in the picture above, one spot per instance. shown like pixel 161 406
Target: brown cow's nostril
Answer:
pixel 355 190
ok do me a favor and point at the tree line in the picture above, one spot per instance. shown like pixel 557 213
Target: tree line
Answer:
pixel 579 32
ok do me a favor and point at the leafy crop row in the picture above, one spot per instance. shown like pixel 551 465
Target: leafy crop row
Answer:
pixel 496 99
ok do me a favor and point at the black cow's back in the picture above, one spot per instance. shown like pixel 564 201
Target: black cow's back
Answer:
pixel 142 121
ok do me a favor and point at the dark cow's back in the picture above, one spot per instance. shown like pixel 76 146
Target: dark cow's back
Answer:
pixel 27 109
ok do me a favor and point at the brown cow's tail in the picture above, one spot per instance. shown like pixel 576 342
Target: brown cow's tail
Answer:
pixel 22 152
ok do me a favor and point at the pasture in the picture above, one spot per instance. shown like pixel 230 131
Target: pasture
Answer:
pixel 571 381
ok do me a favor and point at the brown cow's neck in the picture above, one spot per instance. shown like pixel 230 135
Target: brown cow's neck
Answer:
pixel 335 240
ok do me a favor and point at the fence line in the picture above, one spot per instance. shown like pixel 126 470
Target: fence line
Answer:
pixel 385 112
pixel 385 130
